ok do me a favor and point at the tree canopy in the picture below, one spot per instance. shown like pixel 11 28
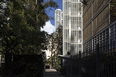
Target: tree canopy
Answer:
pixel 20 25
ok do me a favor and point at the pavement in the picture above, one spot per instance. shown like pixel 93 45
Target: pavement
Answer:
pixel 52 73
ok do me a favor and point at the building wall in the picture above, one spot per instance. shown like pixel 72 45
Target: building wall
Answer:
pixel 98 26
pixel 72 26
pixel 96 16
pixel 58 18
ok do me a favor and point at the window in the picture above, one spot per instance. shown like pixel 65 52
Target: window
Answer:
pixel 79 32
pixel 79 0
pixel 80 36
pixel 79 41
pixel 79 45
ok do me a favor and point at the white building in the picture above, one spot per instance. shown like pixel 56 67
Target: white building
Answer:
pixel 58 18
pixel 49 52
pixel 72 26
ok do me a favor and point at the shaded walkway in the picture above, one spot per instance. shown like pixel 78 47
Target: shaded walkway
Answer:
pixel 52 73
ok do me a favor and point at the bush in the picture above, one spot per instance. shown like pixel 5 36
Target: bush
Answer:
pixel 58 66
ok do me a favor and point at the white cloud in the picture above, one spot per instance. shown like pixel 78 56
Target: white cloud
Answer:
pixel 48 27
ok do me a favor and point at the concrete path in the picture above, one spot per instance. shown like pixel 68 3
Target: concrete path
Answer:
pixel 52 73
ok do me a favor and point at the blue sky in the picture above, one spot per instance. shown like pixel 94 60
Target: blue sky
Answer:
pixel 50 25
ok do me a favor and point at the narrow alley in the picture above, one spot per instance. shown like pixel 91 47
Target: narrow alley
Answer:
pixel 52 73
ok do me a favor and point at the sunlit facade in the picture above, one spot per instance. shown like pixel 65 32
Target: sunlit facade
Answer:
pixel 72 26
pixel 58 18
pixel 99 26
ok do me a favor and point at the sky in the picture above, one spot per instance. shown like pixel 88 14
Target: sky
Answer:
pixel 50 24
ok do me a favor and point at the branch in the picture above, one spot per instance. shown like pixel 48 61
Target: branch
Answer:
pixel 2 52
pixel 7 34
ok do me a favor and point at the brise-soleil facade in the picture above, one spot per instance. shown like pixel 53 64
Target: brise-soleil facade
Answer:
pixel 58 18
pixel 72 26
pixel 99 26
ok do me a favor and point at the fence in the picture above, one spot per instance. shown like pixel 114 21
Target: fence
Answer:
pixel 97 64
pixel 98 58
pixel 23 66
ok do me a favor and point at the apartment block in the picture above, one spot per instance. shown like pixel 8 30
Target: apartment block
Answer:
pixel 58 18
pixel 72 26
pixel 99 25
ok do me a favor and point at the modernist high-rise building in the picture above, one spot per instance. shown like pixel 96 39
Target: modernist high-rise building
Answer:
pixel 58 18
pixel 99 26
pixel 72 26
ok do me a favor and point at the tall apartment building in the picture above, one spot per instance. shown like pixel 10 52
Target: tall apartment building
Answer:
pixel 72 26
pixel 99 26
pixel 58 18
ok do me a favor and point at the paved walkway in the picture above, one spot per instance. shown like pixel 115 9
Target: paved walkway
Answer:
pixel 52 73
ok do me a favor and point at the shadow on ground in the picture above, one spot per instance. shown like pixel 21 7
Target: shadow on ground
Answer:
pixel 52 73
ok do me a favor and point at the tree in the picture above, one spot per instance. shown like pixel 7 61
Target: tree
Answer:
pixel 20 25
pixel 57 47
pixel 22 31
pixel 58 39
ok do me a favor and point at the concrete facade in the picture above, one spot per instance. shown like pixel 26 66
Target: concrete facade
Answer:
pixel 58 18
pixel 72 26
pixel 99 26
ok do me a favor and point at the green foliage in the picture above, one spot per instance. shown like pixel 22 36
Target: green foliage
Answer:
pixel 21 33
pixel 113 5
pixel 58 41
pixel 58 65
pixel 57 46
pixel 20 25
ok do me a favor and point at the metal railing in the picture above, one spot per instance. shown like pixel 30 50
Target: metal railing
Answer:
pixel 98 58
